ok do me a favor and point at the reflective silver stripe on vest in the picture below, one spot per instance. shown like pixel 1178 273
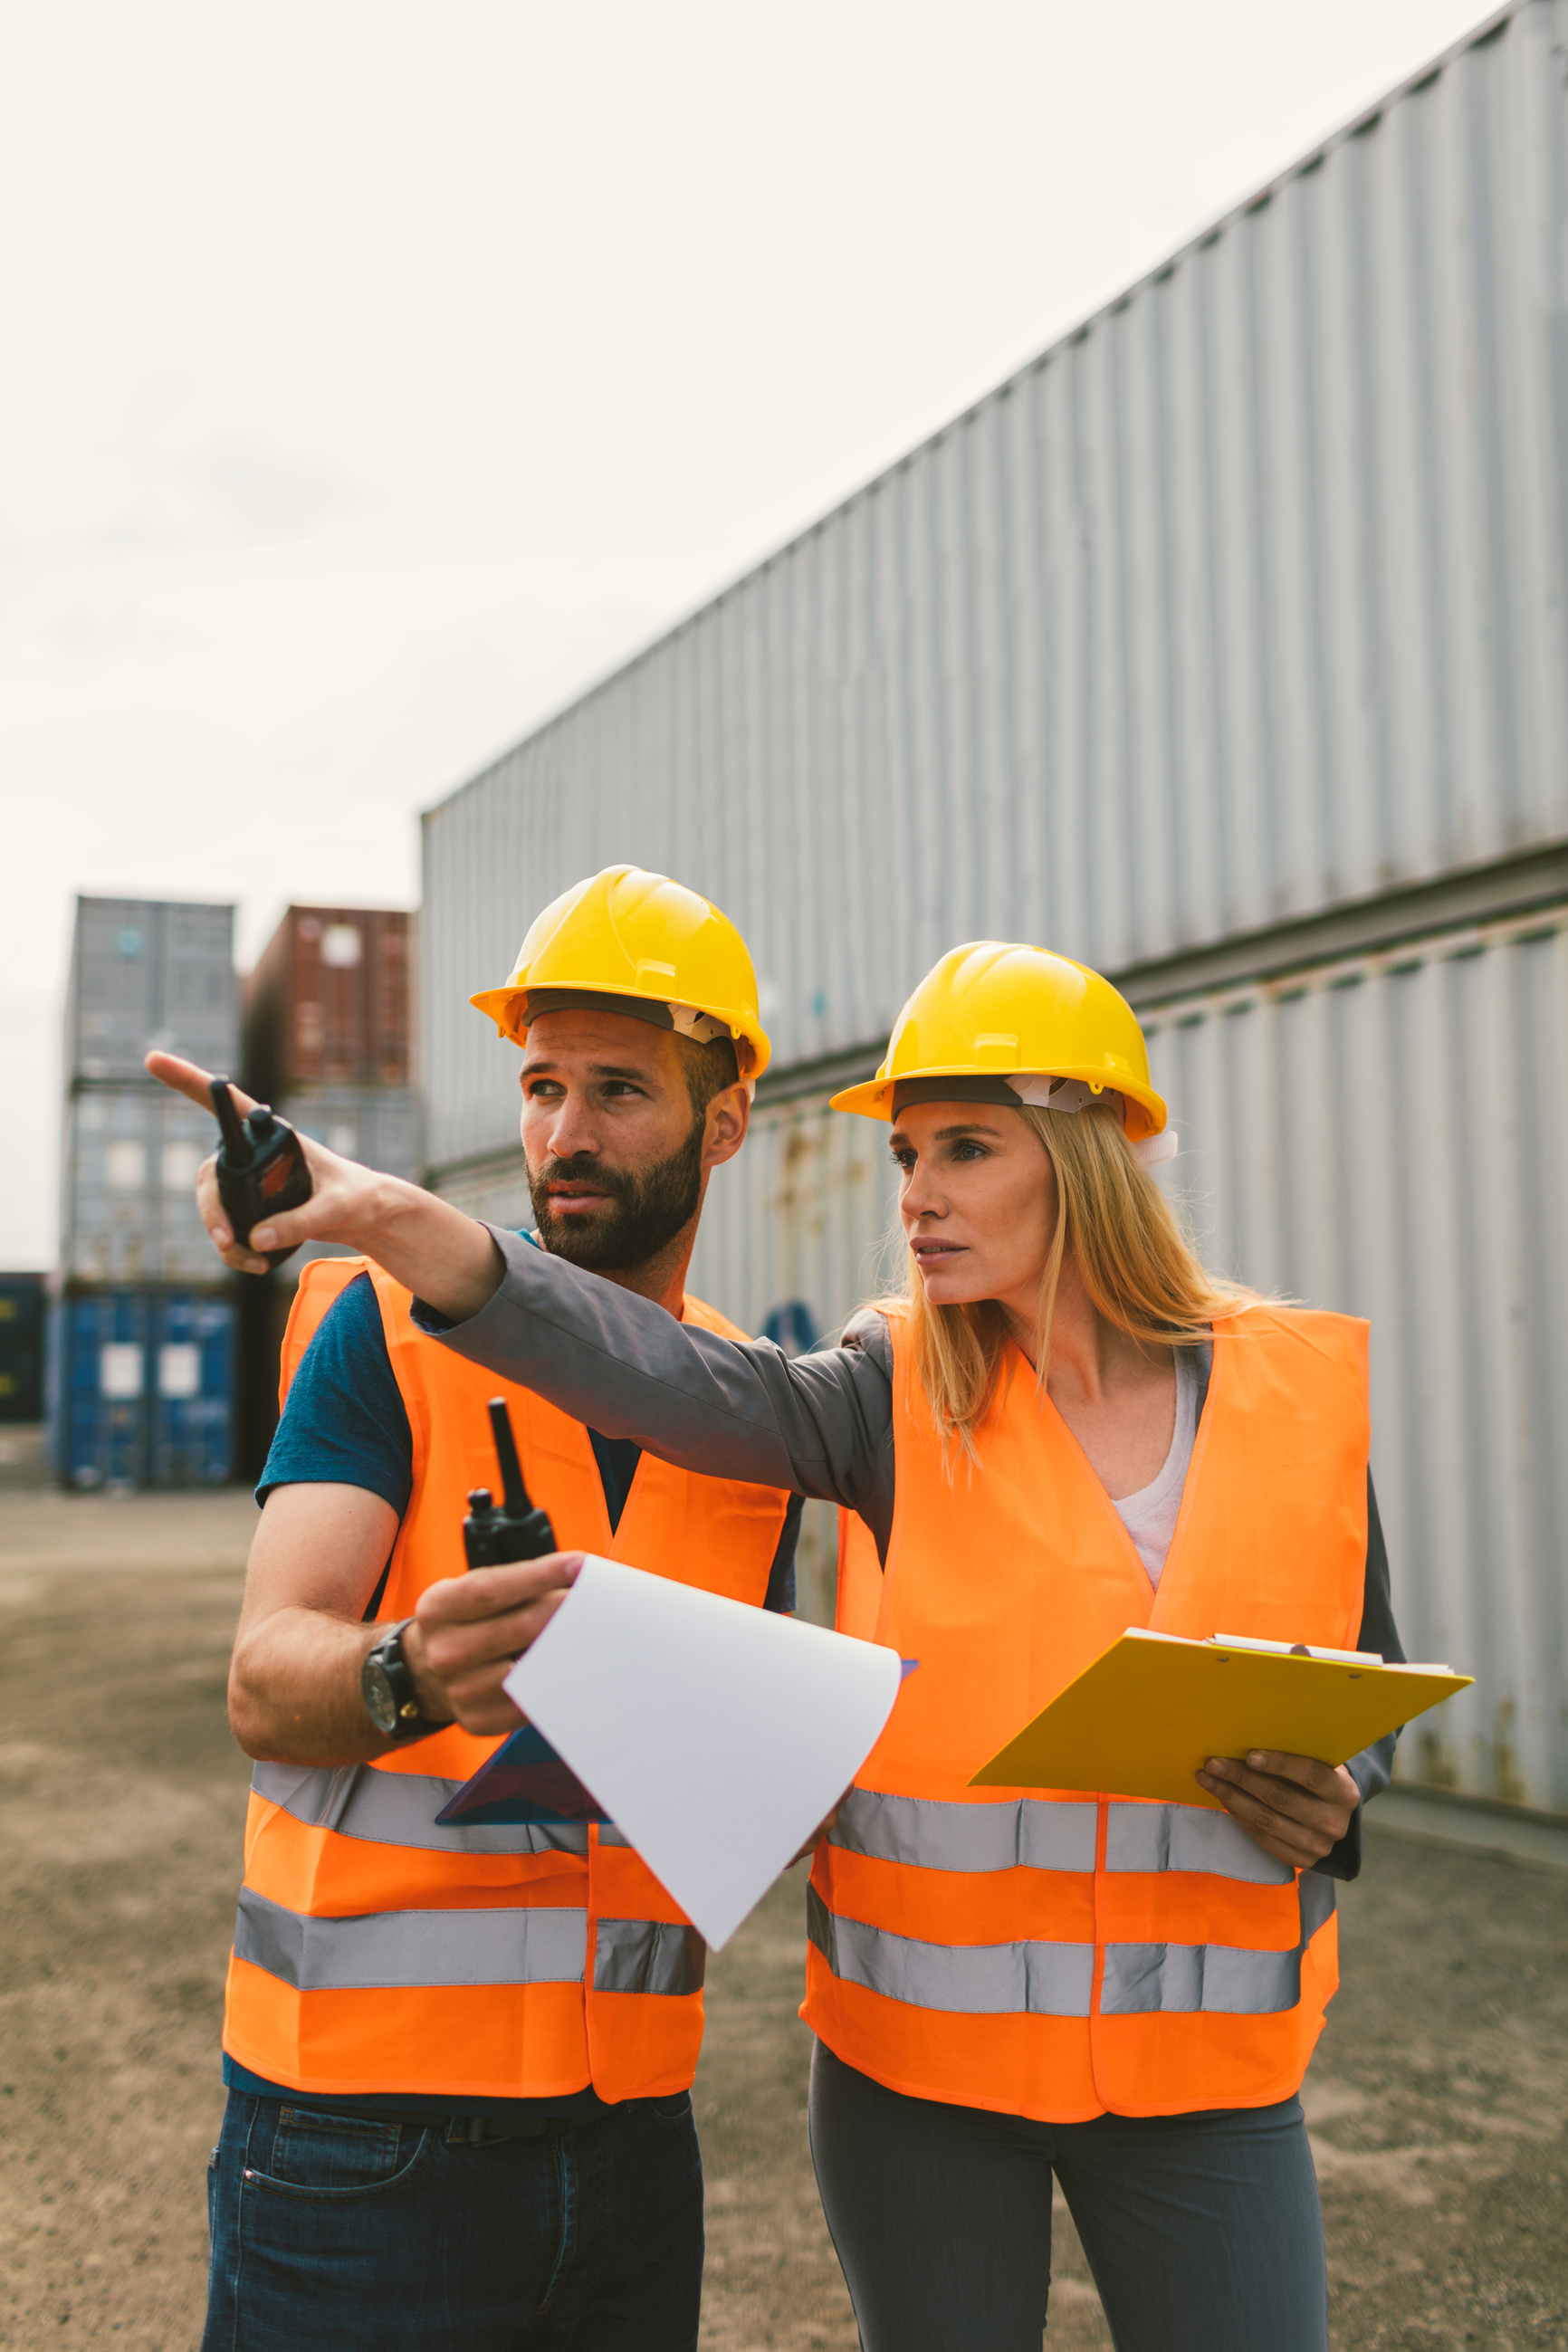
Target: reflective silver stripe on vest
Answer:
pixel 381 1950
pixel 975 1979
pixel 1179 1979
pixel 1319 1903
pixel 400 1808
pixel 1054 1980
pixel 1187 1837
pixel 1030 1832
pixel 648 1955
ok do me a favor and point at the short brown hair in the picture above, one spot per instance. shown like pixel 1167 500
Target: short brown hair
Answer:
pixel 709 1070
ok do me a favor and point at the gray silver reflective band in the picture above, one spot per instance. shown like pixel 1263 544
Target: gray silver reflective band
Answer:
pixel 969 1979
pixel 962 1978
pixel 532 1944
pixel 933 1833
pixel 1036 1978
pixel 1179 1980
pixel 1049 1833
pixel 648 1955
pixel 400 1808
pixel 380 1951
pixel 1187 1838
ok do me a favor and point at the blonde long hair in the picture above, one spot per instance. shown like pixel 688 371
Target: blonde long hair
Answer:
pixel 1130 1254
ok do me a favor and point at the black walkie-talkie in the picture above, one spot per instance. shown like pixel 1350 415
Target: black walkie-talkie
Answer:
pixel 514 1528
pixel 261 1168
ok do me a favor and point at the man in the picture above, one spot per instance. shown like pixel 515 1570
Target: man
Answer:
pixel 458 2058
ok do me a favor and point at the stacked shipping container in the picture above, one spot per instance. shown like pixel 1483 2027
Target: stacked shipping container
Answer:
pixel 141 1371
pixel 328 1042
pixel 1223 647
pixel 21 1347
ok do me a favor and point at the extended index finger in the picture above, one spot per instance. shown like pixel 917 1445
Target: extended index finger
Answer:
pixel 188 1078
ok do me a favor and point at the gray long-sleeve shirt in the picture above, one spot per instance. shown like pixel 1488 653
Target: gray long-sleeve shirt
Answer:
pixel 820 1425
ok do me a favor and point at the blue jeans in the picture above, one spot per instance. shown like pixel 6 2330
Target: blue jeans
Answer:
pixel 1204 2232
pixel 331 2231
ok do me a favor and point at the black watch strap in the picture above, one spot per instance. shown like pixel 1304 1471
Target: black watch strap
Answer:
pixel 386 1683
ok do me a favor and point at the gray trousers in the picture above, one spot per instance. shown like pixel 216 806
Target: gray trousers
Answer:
pixel 1204 2232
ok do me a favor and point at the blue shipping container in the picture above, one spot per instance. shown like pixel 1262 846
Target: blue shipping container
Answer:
pixel 193 1391
pixel 141 1389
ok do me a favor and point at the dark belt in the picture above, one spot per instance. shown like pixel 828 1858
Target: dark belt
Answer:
pixel 482 2131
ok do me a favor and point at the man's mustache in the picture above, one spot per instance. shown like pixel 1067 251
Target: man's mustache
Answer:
pixel 587 1167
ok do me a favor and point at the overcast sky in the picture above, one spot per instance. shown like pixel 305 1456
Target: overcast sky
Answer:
pixel 373 376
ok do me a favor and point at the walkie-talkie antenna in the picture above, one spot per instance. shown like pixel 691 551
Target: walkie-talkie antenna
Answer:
pixel 515 1493
pixel 233 1134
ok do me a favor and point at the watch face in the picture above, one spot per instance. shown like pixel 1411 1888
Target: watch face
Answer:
pixel 380 1702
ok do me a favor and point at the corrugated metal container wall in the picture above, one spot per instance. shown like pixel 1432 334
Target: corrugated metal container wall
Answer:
pixel 21 1347
pixel 379 1125
pixel 1247 599
pixel 1389 1138
pixel 130 1168
pixel 149 973
pixel 804 1214
pixel 1386 1136
pixel 141 1389
pixel 190 1423
pixel 328 1003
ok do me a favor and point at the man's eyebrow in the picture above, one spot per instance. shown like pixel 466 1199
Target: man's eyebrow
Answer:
pixel 546 1067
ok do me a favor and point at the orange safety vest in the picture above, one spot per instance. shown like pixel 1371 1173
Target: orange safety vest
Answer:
pixel 1064 1954
pixel 376 1952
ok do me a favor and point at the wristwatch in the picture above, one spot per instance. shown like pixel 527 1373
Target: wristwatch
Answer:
pixel 386 1681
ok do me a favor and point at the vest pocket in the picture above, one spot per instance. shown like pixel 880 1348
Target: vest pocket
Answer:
pixel 317 2154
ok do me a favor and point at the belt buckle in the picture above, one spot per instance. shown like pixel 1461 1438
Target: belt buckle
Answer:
pixel 478 2131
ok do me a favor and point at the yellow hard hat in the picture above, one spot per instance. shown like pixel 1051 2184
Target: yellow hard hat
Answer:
pixel 670 955
pixel 997 1022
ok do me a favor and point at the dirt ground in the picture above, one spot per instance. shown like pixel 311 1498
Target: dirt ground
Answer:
pixel 1438 2100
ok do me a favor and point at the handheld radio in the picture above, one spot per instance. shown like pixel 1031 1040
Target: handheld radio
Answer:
pixel 261 1168
pixel 514 1528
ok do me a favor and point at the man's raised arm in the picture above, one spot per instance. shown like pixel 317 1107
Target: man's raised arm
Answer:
pixel 446 1258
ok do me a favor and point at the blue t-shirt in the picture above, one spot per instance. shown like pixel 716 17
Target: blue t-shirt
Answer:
pixel 344 1424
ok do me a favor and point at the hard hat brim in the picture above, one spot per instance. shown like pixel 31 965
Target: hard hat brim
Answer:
pixel 507 1007
pixel 874 1097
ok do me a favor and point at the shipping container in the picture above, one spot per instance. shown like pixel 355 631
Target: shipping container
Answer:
pixel 1385 1135
pixel 379 1125
pixel 21 1347
pixel 128 1178
pixel 329 1002
pixel 190 1423
pixel 1246 599
pixel 151 972
pixel 141 1389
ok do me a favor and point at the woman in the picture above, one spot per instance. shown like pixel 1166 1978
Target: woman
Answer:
pixel 1065 1427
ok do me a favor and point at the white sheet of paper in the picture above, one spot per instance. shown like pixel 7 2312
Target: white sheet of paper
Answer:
pixel 715 1736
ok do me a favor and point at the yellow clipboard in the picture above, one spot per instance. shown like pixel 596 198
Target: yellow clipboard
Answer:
pixel 1142 1718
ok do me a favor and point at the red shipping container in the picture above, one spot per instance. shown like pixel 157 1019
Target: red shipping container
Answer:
pixel 329 1002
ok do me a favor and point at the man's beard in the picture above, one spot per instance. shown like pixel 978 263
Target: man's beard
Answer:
pixel 649 1208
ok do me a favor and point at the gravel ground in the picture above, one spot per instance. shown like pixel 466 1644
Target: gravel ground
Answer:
pixel 1438 2100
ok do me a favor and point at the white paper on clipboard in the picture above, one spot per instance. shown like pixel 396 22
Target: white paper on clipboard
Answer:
pixel 715 1736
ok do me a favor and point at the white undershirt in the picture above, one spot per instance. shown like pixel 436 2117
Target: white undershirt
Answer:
pixel 1150 1516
